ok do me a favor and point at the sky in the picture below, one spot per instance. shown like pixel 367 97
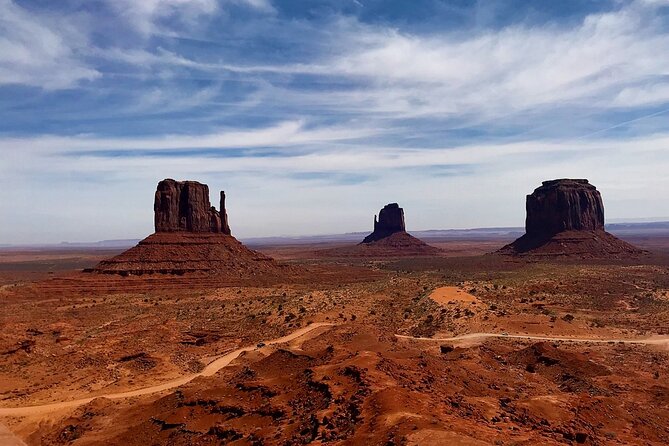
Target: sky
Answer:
pixel 313 114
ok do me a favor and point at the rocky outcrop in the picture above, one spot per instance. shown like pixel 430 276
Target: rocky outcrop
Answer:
pixel 191 237
pixel 399 244
pixel 389 239
pixel 565 217
pixel 178 253
pixel 563 205
pixel 184 206
pixel 225 227
pixel 391 221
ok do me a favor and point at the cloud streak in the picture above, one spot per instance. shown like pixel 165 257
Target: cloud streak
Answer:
pixel 285 134
pixel 41 50
pixel 356 179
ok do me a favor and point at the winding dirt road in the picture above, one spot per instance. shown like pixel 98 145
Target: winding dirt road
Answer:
pixel 209 370
pixel 659 340
pixel 227 359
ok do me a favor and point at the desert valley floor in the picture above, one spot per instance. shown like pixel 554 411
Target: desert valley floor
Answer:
pixel 463 348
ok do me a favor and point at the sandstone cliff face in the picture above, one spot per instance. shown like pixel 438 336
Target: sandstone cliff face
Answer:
pixel 191 237
pixel 391 221
pixel 184 206
pixel 563 205
pixel 566 218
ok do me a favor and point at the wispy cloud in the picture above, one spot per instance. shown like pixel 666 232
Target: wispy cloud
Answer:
pixel 443 187
pixel 608 58
pixel 605 60
pixel 637 96
pixel 41 50
pixel 284 134
pixel 146 15
pixel 150 17
pixel 291 148
pixel 170 99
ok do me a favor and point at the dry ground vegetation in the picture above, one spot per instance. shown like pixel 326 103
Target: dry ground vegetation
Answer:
pixel 355 383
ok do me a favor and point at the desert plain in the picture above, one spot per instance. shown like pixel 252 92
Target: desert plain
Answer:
pixel 460 348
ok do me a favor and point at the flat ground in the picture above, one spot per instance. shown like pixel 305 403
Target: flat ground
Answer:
pixel 462 349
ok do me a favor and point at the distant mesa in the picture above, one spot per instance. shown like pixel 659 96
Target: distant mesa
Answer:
pixel 191 236
pixel 564 205
pixel 389 239
pixel 391 221
pixel 565 217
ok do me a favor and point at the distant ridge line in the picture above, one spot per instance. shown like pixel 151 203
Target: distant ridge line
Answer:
pixel 621 228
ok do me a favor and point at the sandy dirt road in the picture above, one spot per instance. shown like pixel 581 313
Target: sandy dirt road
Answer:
pixel 7 438
pixel 659 340
pixel 209 370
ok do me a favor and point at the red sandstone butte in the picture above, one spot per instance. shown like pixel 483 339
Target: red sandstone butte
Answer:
pixel 191 237
pixel 565 217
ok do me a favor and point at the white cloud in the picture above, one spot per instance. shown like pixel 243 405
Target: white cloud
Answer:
pixel 41 50
pixel 145 15
pixel 260 5
pixel 491 73
pixel 652 94
pixel 284 134
pixel 517 68
pixel 329 149
pixel 654 3
pixel 491 194
pixel 170 98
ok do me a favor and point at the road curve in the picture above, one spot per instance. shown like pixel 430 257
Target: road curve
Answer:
pixel 660 340
pixel 209 370
pixel 7 438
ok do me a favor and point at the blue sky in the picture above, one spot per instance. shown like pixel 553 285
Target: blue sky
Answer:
pixel 313 114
